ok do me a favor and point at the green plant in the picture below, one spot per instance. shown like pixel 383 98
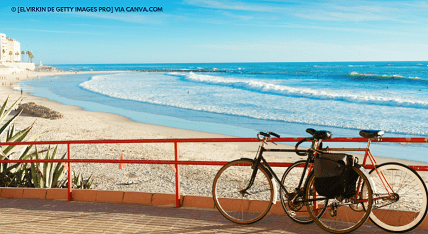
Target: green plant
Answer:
pixel 18 174
pixel 30 55
pixel 12 136
pixel 9 175
pixel 39 175
pixel 45 175
pixel 80 183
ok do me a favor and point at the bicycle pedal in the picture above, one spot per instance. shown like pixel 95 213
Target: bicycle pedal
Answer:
pixel 292 213
pixel 332 212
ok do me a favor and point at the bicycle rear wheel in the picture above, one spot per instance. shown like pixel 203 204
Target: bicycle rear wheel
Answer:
pixel 343 215
pixel 235 203
pixel 296 209
pixel 408 208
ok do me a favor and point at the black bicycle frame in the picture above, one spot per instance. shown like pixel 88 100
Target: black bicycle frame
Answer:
pixel 259 158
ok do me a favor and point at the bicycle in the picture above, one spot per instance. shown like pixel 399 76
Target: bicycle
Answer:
pixel 244 190
pixel 400 194
pixel 400 202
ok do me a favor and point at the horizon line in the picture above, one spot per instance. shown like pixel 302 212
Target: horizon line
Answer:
pixel 244 62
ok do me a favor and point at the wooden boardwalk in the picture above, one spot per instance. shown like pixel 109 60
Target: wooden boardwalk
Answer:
pixel 56 216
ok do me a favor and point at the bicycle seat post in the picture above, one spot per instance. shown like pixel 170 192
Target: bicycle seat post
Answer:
pixel 316 143
pixel 368 143
pixel 366 154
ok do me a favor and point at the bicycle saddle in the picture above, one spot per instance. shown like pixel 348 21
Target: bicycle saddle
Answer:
pixel 319 135
pixel 372 134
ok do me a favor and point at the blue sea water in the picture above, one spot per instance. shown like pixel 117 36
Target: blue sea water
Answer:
pixel 241 99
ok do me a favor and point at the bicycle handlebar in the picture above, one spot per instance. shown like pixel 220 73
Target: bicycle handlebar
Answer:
pixel 319 135
pixel 267 136
pixel 300 142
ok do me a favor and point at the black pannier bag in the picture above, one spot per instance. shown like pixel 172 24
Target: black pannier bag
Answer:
pixel 334 175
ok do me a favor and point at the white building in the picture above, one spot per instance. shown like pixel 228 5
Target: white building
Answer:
pixel 10 49
pixel 15 47
pixel 3 48
pixel 10 56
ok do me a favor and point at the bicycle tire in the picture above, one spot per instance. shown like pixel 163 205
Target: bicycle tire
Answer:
pixel 343 215
pixel 410 209
pixel 295 210
pixel 229 199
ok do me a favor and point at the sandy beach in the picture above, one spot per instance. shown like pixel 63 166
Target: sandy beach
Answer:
pixel 78 124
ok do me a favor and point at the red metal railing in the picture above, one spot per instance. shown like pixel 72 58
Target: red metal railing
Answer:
pixel 176 162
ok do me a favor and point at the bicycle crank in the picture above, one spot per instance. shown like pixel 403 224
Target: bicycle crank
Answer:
pixel 293 202
pixel 333 210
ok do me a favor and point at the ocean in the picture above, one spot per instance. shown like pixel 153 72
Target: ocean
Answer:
pixel 241 99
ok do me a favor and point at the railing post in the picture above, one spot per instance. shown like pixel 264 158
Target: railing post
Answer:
pixel 177 177
pixel 70 184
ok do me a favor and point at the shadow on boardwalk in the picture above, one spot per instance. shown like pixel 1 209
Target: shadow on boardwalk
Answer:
pixel 53 216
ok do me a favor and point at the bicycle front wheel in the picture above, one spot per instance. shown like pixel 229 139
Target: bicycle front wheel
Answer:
pixel 234 200
pixel 400 201
pixel 342 215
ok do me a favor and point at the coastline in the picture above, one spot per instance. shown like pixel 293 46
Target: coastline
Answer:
pixel 79 124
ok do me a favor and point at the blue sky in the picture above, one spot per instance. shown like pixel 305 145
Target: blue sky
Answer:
pixel 205 31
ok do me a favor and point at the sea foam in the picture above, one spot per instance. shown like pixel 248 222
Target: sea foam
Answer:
pixel 379 98
pixel 267 101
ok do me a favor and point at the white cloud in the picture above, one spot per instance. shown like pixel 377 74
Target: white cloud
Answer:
pixel 54 31
pixel 129 17
pixel 235 5
pixel 322 11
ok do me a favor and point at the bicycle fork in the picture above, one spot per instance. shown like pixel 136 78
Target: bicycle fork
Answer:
pixel 255 167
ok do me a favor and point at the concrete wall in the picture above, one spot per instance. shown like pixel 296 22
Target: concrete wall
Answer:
pixel 23 66
pixel 11 68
